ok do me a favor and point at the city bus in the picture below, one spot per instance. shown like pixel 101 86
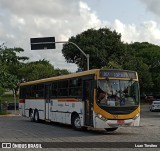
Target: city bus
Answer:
pixel 74 99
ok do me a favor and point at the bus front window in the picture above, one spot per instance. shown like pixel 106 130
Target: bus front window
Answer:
pixel 118 93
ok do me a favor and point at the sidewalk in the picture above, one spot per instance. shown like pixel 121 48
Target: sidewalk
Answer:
pixel 11 113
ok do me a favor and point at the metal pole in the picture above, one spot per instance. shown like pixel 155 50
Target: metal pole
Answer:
pixel 86 55
pixel 15 102
pixel 87 61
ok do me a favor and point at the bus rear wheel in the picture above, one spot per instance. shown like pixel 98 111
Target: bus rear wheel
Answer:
pixel 76 122
pixel 31 115
pixel 111 129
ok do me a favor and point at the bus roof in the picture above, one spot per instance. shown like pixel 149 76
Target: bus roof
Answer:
pixel 83 73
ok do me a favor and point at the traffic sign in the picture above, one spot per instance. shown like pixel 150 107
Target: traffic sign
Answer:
pixel 42 43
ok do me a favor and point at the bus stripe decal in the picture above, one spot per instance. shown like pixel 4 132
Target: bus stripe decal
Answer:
pixel 22 101
pixel 67 100
pixel 63 112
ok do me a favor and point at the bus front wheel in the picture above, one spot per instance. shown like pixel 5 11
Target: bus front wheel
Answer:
pixel 111 129
pixel 76 122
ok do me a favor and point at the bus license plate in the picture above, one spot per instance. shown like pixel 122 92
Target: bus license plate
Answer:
pixel 120 121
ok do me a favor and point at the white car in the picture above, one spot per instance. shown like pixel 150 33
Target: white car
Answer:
pixel 155 106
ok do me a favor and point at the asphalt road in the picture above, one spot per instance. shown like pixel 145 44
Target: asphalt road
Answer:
pixel 20 129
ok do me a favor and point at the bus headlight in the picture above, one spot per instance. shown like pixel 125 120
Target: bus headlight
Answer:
pixel 101 117
pixel 136 117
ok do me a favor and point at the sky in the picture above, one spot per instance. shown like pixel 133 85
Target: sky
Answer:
pixel 20 20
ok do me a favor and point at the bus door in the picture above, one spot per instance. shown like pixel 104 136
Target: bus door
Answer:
pixel 47 101
pixel 88 91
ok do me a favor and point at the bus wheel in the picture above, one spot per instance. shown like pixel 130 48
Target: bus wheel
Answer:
pixel 111 129
pixel 31 115
pixel 76 122
pixel 36 116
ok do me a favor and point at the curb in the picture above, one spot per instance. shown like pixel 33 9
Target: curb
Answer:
pixel 9 115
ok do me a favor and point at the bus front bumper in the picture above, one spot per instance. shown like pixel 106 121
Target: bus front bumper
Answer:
pixel 101 122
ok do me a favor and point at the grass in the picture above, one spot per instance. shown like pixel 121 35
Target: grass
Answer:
pixel 3 112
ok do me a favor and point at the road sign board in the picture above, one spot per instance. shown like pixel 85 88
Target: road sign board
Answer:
pixel 42 43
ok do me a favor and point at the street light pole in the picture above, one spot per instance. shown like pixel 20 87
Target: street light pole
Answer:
pixel 86 55
pixel 49 43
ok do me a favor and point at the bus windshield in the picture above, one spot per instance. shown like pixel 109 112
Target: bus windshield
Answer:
pixel 118 93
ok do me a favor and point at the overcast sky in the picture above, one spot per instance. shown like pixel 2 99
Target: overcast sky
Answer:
pixel 20 20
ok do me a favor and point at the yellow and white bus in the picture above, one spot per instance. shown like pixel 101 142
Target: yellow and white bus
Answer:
pixel 75 99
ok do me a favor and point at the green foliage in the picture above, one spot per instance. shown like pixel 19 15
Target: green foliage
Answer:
pixel 39 70
pixel 3 112
pixel 36 70
pixel 8 98
pixel 150 55
pixel 2 90
pixel 102 45
pixel 107 51
pixel 13 70
pixel 8 81
pixel 58 72
pixel 10 63
pixel 9 56
pixel 112 65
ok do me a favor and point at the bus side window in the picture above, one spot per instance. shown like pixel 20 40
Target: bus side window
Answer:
pixel 86 91
pixel 23 92
pixel 27 92
pixel 63 88
pixel 75 87
pixel 54 90
pixel 40 91
pixel 33 91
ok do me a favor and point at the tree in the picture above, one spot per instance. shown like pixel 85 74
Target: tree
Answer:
pixel 8 81
pixel 10 63
pixel 58 72
pixel 102 45
pixel 112 65
pixel 9 56
pixel 150 55
pixel 36 70
pixel 13 70
pixel 39 70
pixel 106 50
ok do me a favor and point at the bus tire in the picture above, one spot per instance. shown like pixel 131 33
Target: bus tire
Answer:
pixel 31 115
pixel 111 129
pixel 36 116
pixel 76 122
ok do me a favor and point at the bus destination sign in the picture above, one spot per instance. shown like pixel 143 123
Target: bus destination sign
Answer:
pixel 117 74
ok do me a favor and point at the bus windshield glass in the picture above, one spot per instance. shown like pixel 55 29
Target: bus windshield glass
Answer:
pixel 118 93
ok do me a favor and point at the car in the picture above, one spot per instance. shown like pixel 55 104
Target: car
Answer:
pixel 11 106
pixel 155 106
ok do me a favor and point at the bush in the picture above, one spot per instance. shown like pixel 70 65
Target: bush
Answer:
pixel 3 112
